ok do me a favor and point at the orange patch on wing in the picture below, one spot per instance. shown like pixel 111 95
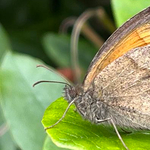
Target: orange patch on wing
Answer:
pixel 137 38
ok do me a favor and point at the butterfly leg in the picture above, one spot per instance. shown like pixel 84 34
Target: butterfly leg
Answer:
pixel 116 130
pixel 63 116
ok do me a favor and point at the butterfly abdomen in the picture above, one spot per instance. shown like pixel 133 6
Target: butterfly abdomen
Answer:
pixel 90 108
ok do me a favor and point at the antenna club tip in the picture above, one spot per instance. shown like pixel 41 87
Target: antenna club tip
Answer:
pixel 35 83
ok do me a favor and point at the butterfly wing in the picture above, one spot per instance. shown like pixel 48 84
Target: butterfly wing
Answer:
pixel 134 33
pixel 124 85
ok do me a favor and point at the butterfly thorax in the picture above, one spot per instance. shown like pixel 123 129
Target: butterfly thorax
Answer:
pixel 88 106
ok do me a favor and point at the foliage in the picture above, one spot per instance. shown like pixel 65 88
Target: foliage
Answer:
pixel 29 42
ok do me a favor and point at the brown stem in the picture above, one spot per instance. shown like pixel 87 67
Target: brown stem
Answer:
pixel 92 35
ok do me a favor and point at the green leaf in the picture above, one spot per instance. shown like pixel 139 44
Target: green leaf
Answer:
pixel 23 105
pixel 125 9
pixel 4 42
pixel 76 133
pixel 57 47
pixel 6 141
pixel 49 145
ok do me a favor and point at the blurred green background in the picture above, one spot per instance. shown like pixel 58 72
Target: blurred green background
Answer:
pixel 27 22
pixel 35 32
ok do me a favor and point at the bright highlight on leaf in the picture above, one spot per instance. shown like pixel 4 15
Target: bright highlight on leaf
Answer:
pixel 120 9
pixel 74 132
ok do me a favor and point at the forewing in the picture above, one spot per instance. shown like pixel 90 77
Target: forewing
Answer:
pixel 134 33
pixel 124 85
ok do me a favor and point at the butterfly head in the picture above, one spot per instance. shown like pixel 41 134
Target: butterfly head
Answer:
pixel 72 92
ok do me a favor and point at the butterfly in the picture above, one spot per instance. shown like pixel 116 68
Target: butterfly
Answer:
pixel 116 88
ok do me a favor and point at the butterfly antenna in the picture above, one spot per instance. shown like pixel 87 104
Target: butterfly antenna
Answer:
pixel 42 81
pixel 62 115
pixel 43 66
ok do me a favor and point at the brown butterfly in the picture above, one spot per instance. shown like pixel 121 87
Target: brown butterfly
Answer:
pixel 116 88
